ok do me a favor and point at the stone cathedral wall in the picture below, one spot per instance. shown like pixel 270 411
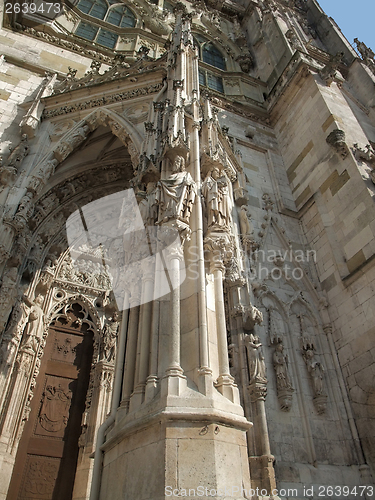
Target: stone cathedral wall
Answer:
pixel 336 198
pixel 304 195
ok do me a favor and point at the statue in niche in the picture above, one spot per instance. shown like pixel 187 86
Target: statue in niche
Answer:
pixel 280 363
pixel 246 226
pixel 255 359
pixel 109 339
pixel 283 383
pixel 148 205
pixel 34 327
pixel 48 270
pixel 175 195
pixel 218 203
pixel 18 153
pixel 24 208
pixel 7 293
pixel 79 135
pixel 13 332
pixel 315 369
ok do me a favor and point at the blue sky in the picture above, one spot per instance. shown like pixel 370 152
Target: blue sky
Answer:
pixel 355 18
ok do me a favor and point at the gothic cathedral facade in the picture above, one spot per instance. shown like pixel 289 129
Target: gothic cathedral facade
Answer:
pixel 187 252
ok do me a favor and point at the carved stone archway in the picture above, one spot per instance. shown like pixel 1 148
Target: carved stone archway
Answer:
pixel 37 256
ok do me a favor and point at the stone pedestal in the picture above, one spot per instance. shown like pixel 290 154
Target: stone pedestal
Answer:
pixel 181 443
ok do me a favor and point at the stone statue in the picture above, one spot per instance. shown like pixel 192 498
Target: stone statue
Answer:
pixel 48 270
pixel 13 333
pixel 7 293
pixel 255 359
pixel 316 371
pixel 283 383
pixel 18 319
pixel 280 363
pixel 218 203
pixel 18 153
pixel 176 193
pixel 24 208
pixel 148 205
pixel 34 328
pixel 246 226
pixel 109 340
pixel 365 51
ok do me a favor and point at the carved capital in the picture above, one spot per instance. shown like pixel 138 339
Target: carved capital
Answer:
pixel 257 391
pixel 220 250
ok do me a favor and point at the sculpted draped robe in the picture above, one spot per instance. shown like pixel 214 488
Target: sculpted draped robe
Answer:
pixel 175 196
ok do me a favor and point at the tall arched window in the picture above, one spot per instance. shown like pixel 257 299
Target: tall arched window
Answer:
pixel 109 11
pixel 211 55
pixel 94 8
pixel 208 52
pixel 119 15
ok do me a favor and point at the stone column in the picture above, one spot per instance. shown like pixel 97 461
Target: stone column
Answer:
pixel 218 248
pixel 131 351
pixel 152 379
pixel 205 371
pixel 142 367
pixel 174 381
pixel 261 465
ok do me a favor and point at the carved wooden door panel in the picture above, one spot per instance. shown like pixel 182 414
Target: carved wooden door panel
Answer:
pixel 48 450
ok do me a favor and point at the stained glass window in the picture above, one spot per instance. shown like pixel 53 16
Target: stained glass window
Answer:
pixel 86 31
pixel 107 38
pixel 211 81
pixel 211 55
pixel 95 8
pixel 121 16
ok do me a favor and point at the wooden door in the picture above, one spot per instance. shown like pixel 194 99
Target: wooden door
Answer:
pixel 47 455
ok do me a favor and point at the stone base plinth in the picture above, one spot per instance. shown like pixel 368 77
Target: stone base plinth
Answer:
pixel 152 456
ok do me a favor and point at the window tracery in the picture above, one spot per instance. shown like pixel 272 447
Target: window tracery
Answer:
pixel 109 11
pixel 210 54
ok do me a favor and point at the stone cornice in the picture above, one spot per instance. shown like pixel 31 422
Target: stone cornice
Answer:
pixel 101 100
